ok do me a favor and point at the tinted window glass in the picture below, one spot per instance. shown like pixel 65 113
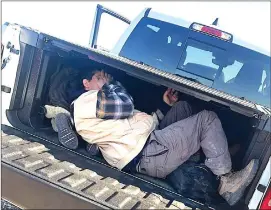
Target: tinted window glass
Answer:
pixel 198 59
pixel 223 65
pixel 155 43
pixel 247 75
pixel 231 71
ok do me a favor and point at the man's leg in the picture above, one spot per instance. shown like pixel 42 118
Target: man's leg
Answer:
pixel 184 138
pixel 214 146
pixel 179 111
pixel 66 135
pixel 173 145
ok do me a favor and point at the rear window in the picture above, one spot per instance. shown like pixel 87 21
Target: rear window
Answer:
pixel 223 65
pixel 155 43
pixel 245 73
pixel 198 58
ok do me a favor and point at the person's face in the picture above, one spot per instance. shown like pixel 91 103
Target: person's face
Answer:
pixel 92 84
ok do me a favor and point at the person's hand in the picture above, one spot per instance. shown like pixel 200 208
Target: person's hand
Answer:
pixel 170 97
pixel 104 78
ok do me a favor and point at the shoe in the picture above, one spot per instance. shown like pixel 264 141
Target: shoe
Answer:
pixel 233 185
pixel 52 111
pixel 66 136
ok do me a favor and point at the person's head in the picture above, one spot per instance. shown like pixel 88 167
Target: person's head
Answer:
pixel 94 80
pixel 91 80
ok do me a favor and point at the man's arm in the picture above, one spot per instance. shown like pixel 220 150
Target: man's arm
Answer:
pixel 170 97
pixel 114 102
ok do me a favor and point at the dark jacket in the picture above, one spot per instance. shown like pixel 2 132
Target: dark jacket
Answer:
pixel 65 86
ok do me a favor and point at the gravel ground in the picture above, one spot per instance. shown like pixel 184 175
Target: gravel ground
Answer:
pixel 6 205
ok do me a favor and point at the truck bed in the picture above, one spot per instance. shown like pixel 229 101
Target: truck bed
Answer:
pixel 51 176
pixel 46 175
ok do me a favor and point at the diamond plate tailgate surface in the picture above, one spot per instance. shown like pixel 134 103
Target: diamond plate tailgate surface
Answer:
pixel 46 162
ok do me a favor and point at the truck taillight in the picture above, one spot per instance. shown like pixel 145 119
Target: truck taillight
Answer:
pixel 211 31
pixel 266 203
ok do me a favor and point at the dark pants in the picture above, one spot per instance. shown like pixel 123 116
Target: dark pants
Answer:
pixel 180 137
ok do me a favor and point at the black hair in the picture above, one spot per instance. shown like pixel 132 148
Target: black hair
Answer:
pixel 88 74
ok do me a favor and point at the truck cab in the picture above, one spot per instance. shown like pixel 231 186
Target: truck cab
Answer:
pixel 202 53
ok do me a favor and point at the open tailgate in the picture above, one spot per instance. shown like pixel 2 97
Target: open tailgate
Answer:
pixel 46 175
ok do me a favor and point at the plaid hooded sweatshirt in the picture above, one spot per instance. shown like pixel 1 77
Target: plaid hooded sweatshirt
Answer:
pixel 108 118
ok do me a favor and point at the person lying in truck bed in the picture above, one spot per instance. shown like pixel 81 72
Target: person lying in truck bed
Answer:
pixel 131 141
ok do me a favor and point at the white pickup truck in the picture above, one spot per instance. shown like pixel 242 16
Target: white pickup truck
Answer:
pixel 203 62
